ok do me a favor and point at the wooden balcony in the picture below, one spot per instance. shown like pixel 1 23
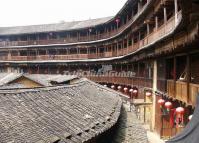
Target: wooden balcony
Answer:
pixel 161 31
pixel 130 81
pixel 151 38
pixel 183 91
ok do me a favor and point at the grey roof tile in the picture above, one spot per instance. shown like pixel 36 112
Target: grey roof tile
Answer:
pixel 46 114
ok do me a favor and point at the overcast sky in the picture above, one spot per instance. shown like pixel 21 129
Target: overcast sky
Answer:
pixel 31 12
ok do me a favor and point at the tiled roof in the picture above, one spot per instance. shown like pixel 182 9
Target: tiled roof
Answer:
pixel 75 113
pixel 63 26
pixel 42 79
pixel 47 79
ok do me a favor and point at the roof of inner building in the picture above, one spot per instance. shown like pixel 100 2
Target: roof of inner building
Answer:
pixel 42 79
pixel 74 113
pixel 63 26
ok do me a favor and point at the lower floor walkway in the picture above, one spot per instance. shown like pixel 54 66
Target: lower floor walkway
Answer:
pixel 131 130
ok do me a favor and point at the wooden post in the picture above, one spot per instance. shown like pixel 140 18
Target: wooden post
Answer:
pixel 174 75
pixel 138 75
pixel 139 35
pixel 47 36
pixel 165 15
pixel 188 76
pixel 127 44
pixel 132 14
pixel 37 69
pixel 139 6
pixel 176 11
pixel 148 29
pixel 97 51
pixel 154 95
pixel 87 51
pixel 156 23
pixel 117 48
pixel 127 18
pixel 77 36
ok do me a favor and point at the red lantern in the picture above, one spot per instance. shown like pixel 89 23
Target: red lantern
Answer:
pixel 190 117
pixel 131 90
pixel 180 116
pixel 125 89
pixel 113 86
pixel 117 20
pixel 180 110
pixel 135 91
pixel 119 87
pixel 148 93
pixel 168 105
pixel 161 102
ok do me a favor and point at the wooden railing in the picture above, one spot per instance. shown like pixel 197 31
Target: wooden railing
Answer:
pixel 193 92
pixel 131 81
pixel 183 91
pixel 171 88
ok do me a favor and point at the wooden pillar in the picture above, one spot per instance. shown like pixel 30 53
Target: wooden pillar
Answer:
pixel 132 40
pixel 68 36
pixel 127 18
pixel 132 14
pixel 117 48
pixel 96 51
pixel 77 36
pixel 150 71
pixel 165 15
pixel 176 11
pixel 154 95
pixel 37 69
pixel 67 51
pixel 78 51
pixel 174 74
pixel 138 70
pixel 188 76
pixel 57 36
pixel 37 37
pixel 139 6
pixel 47 36
pixel 156 22
pixel 9 55
pixel 127 44
pixel 148 28
pixel 139 35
